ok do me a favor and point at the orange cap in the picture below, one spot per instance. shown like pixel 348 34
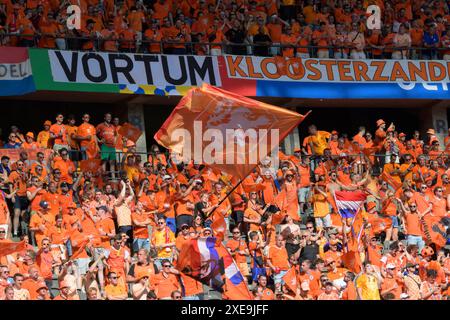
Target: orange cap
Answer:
pixel 380 122
pixel 47 123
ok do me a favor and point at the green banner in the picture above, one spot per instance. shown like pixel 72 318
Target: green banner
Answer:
pixel 43 77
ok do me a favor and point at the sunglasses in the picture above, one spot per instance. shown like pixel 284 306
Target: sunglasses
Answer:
pixel 114 278
pixel 167 266
pixel 160 223
pixel 2 231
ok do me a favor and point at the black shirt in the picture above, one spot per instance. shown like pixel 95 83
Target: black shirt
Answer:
pixel 263 49
pixel 309 252
pixel 236 36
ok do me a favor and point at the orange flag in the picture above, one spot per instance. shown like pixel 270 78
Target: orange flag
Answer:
pixel 433 231
pixel 224 130
pixel 279 201
pixel 219 225
pixel 352 261
pixel 253 187
pixel 290 278
pixel 378 223
pixel 91 165
pixel 10 247
pixel 391 181
pixel 92 150
pixel 131 132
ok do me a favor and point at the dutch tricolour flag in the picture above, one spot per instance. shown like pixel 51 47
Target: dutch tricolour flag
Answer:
pixel 348 203
pixel 15 72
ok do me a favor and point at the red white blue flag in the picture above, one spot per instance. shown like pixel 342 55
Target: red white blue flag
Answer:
pixel 15 72
pixel 348 203
pixel 208 261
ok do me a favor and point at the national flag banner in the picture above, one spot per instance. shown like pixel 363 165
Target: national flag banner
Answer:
pixel 130 132
pixel 224 130
pixel 433 230
pixel 91 165
pixel 10 247
pixel 209 262
pixel 349 203
pixel 290 279
pixel 15 75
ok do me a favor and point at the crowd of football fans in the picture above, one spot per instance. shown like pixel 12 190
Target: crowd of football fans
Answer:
pixel 308 28
pixel 115 231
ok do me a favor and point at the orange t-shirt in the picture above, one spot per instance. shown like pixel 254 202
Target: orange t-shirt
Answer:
pixel 57 129
pixel 279 257
pixel 20 183
pixel 237 245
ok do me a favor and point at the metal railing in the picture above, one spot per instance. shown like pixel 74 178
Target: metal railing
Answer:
pixel 193 47
pixel 376 160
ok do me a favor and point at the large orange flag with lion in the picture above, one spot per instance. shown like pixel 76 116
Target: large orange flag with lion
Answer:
pixel 224 130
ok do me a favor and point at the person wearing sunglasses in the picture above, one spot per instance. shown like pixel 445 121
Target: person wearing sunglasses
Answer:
pixel 166 281
pixel 176 295
pixel 114 290
pixel 239 251
pixel 411 220
pixel 12 142
pixel 163 240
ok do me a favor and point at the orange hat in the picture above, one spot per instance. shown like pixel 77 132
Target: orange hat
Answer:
pixel 142 274
pixel 30 134
pixel 297 150
pixel 430 131
pixel 41 285
pixel 390 129
pixel 402 134
pixel 289 172
pixel 380 122
pixel 334 132
pixel 47 123
pixel 427 252
pixel 328 261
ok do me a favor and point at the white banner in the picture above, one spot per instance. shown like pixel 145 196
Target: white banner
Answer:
pixel 129 68
pixel 15 71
